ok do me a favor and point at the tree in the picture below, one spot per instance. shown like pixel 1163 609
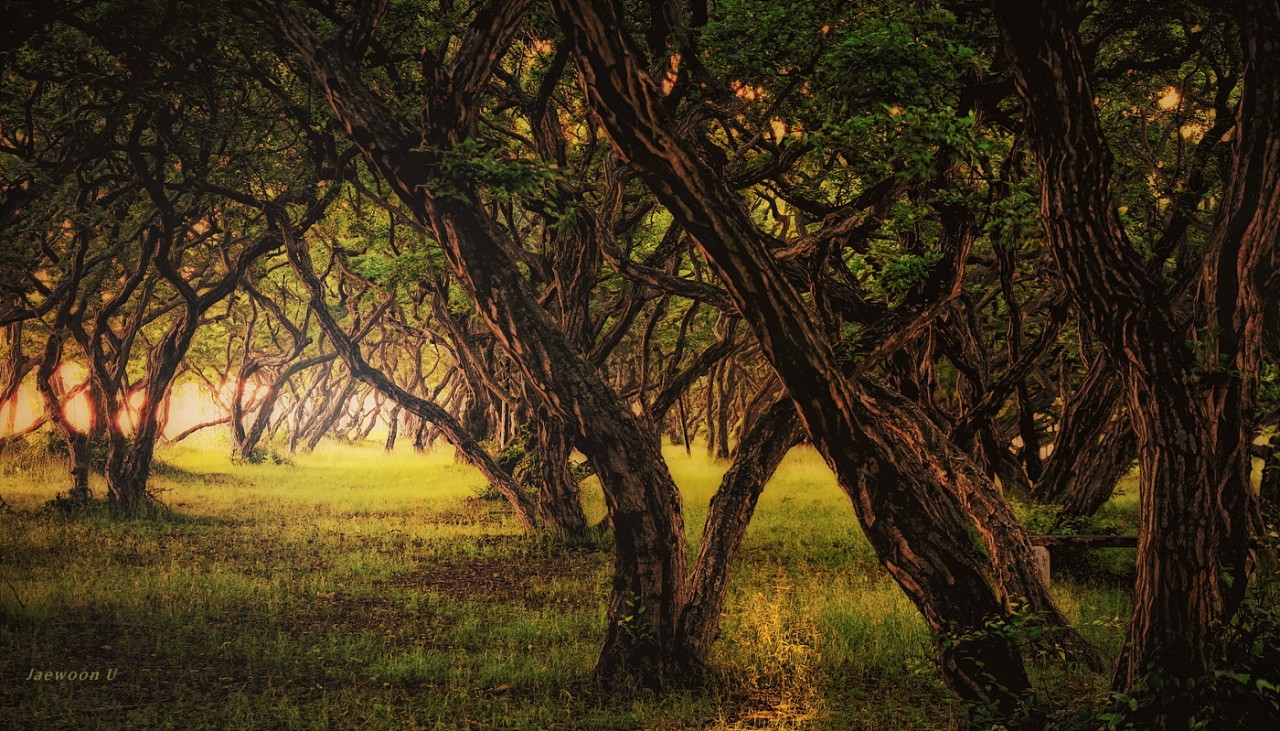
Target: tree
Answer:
pixel 642 499
pixel 1191 409
pixel 886 455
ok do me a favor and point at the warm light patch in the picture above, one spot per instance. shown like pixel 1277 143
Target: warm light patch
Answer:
pixel 1170 100
pixel 778 127
pixel 78 409
pixel 191 404
pixel 79 412
pixel 672 75
pixel 746 92
pixel 127 418
pixel 20 412
pixel 541 46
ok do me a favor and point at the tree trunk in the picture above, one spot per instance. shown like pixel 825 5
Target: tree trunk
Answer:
pixel 684 426
pixel 1098 472
pixel 252 436
pixel 50 386
pixel 724 404
pixel 917 528
pixel 1195 507
pixel 1094 447
pixel 129 457
pixel 393 429
pixel 712 377
pixel 420 436
pixel 559 500
pixel 329 416
pixel 641 496
pixel 759 454
pixel 427 411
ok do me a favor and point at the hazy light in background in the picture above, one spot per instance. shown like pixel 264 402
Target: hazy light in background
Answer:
pixel 190 404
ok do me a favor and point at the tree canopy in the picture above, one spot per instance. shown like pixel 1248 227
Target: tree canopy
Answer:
pixel 978 254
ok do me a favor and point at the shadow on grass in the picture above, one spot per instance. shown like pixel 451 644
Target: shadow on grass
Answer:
pixel 153 510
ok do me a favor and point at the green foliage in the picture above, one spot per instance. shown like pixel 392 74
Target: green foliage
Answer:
pixel 635 624
pixel 264 454
pixel 1241 690
pixel 1269 384
pixel 909 273
pixel 393 270
pixel 472 165
pixel 1015 216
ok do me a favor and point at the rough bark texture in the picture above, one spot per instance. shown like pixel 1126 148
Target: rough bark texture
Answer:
pixel 759 454
pixel 393 430
pixel 1192 550
pixel 51 392
pixel 917 529
pixel 1239 280
pixel 1093 448
pixel 559 500
pixel 639 492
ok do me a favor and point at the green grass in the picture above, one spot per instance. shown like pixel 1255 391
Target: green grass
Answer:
pixel 352 589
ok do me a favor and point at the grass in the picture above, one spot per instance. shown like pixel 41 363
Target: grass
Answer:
pixel 354 589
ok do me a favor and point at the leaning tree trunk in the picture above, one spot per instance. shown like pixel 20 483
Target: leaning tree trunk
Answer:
pixel 1094 447
pixel 1093 484
pixel 1195 517
pixel 642 499
pixel 52 393
pixel 918 530
pixel 426 411
pixel 333 410
pixel 759 454
pixel 248 439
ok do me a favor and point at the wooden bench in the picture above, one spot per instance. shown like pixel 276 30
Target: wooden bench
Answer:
pixel 1042 545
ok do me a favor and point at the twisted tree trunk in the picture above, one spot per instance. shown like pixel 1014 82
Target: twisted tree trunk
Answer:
pixel 641 496
pixel 1197 503
pixel 52 392
pixel 889 459
pixel 759 454
pixel 1094 447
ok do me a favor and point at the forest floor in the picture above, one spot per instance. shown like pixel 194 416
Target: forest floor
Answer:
pixel 354 589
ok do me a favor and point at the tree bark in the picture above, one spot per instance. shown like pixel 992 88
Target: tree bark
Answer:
pixel 1094 447
pixel 917 528
pixel 1195 507
pixel 50 386
pixel 393 430
pixel 641 496
pixel 559 500
pixel 758 456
